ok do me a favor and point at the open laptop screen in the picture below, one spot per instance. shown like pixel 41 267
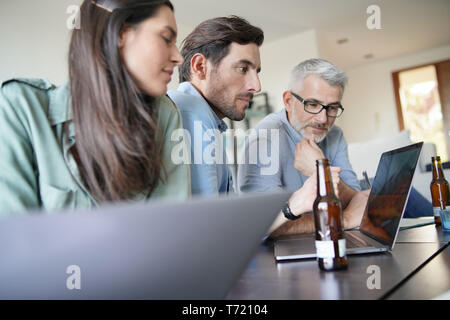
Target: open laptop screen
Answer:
pixel 390 190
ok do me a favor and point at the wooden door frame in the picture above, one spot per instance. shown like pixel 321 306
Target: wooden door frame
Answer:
pixel 396 82
pixel 398 103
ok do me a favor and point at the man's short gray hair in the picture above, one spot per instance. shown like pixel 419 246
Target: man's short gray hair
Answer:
pixel 323 68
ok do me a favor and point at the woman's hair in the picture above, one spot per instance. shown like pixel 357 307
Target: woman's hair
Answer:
pixel 117 144
pixel 213 37
pixel 323 68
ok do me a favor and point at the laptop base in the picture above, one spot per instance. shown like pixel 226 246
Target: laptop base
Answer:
pixel 303 247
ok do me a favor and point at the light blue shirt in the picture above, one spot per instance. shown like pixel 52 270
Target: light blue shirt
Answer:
pixel 210 174
pixel 268 158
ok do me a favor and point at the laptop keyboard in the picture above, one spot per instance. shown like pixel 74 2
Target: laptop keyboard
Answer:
pixel 353 241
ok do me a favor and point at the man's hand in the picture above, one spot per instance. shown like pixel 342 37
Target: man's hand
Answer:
pixel 302 200
pixel 335 171
pixel 346 193
pixel 306 154
pixel 352 215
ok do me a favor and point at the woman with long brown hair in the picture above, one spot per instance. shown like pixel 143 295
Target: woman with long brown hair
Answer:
pixel 106 135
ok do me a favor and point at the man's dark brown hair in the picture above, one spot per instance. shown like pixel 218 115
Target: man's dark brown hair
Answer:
pixel 213 37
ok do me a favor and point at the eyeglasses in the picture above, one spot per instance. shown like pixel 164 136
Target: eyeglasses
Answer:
pixel 333 111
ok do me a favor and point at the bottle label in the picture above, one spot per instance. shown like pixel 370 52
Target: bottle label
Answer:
pixel 325 249
pixel 437 209
pixel 342 248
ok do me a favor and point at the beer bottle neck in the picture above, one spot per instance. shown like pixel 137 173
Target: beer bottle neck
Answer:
pixel 325 184
pixel 437 170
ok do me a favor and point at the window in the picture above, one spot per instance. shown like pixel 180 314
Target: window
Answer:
pixel 420 94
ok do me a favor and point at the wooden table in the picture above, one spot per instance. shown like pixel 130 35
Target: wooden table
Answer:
pixel 419 254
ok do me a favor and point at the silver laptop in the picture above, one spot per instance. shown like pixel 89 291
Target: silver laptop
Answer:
pixel 381 220
pixel 185 250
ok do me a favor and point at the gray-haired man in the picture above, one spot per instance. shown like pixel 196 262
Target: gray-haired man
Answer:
pixel 306 132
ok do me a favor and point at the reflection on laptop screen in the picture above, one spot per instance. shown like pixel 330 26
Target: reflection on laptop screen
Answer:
pixel 389 192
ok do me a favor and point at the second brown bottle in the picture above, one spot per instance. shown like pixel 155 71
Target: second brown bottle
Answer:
pixel 327 208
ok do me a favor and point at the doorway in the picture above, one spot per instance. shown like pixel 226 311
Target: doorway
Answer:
pixel 422 95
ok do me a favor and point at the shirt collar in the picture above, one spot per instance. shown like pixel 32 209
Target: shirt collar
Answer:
pixel 188 88
pixel 60 107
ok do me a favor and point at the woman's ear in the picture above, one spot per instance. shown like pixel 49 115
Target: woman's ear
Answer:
pixel 198 66
pixel 124 35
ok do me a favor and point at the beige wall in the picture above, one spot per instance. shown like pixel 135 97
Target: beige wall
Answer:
pixel 35 42
pixel 369 101
pixel 35 39
pixel 279 57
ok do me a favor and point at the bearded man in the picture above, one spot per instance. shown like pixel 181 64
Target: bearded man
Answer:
pixel 217 80
pixel 306 132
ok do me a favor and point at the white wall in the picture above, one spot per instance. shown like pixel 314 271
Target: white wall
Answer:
pixel 35 39
pixel 279 57
pixel 369 100
pixel 183 32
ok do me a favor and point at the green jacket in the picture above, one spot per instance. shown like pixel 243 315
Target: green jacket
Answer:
pixel 36 132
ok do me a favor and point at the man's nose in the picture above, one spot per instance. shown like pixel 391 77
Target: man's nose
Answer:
pixel 322 116
pixel 254 85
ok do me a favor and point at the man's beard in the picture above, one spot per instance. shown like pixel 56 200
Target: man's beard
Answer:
pixel 300 127
pixel 217 97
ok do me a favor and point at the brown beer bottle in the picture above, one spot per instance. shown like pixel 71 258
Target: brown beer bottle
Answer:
pixel 330 242
pixel 439 189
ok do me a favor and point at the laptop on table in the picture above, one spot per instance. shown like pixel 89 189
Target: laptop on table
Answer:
pixel 186 250
pixel 384 210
